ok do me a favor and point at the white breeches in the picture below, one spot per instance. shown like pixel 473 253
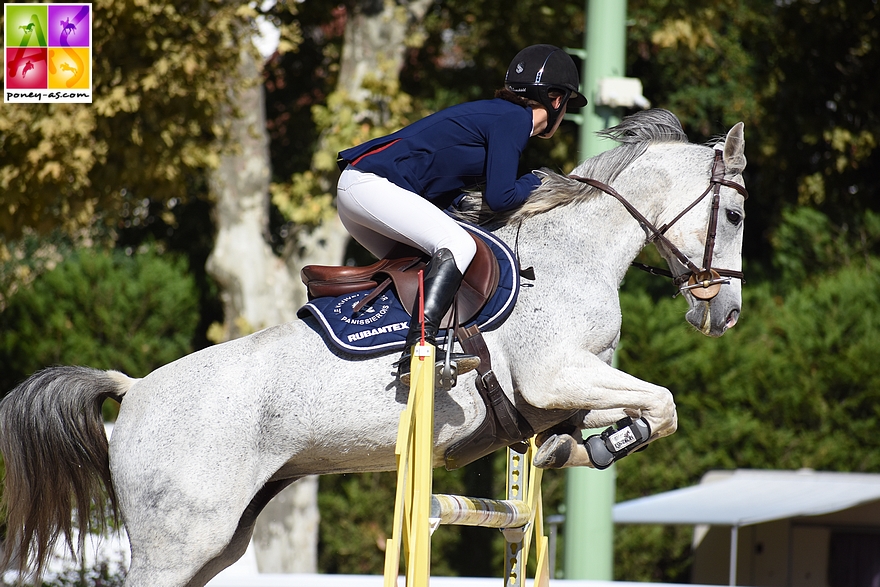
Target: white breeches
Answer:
pixel 379 214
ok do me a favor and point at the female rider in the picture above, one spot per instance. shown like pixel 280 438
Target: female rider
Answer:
pixel 394 189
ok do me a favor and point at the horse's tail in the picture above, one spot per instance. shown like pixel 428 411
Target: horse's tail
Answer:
pixel 57 459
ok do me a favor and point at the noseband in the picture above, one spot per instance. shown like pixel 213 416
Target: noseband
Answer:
pixel 703 282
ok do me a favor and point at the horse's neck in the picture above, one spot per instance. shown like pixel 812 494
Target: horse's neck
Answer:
pixel 597 237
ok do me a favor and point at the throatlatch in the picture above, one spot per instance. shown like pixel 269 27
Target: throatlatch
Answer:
pixel 625 437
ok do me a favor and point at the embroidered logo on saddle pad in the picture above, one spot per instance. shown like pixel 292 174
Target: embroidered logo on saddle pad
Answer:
pixel 381 326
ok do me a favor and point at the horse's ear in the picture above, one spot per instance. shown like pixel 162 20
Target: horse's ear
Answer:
pixel 735 149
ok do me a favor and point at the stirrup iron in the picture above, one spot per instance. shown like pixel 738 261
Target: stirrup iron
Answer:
pixel 446 369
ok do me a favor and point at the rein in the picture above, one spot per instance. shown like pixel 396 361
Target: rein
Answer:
pixel 703 282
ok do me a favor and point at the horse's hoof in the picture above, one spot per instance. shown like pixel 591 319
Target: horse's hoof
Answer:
pixel 554 452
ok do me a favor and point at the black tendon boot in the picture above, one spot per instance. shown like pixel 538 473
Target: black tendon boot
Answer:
pixel 442 279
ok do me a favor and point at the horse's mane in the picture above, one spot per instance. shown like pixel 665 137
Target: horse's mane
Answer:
pixel 635 134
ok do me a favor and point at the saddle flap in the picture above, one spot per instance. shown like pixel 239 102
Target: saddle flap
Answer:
pixel 480 281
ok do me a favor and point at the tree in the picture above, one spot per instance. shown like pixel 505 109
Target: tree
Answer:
pixel 100 308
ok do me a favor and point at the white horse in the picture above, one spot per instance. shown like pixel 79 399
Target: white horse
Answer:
pixel 203 443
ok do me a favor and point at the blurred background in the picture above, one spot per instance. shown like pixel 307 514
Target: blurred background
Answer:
pixel 175 211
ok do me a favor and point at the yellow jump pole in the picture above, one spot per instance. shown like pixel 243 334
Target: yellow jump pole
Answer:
pixel 524 483
pixel 415 505
pixel 418 569
pixel 415 467
pixel 536 506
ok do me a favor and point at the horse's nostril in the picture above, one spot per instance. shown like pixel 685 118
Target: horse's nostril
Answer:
pixel 732 318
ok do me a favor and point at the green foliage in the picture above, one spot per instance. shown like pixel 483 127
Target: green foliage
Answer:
pixel 807 242
pixel 699 62
pixel 825 115
pixel 27 258
pixel 799 74
pixel 356 517
pixel 102 309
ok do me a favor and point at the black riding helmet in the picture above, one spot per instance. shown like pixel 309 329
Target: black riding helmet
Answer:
pixel 540 68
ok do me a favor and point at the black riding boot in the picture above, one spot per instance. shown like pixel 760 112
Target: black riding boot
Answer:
pixel 441 280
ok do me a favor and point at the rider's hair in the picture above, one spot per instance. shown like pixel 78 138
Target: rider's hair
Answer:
pixel 521 100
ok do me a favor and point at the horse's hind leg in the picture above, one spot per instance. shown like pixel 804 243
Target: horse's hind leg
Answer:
pixel 239 542
pixel 189 546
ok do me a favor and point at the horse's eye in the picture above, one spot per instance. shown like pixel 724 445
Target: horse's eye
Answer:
pixel 734 217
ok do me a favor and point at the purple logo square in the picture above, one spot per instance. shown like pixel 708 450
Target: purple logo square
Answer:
pixel 69 25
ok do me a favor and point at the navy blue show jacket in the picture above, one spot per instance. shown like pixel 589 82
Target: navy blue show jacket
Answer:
pixel 458 148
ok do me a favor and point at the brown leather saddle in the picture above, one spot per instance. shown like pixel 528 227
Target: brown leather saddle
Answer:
pixel 401 270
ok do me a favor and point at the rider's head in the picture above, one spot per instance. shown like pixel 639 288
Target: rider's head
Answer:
pixel 540 70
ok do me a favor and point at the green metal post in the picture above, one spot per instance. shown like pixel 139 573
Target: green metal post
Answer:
pixel 589 494
pixel 589 530
pixel 605 41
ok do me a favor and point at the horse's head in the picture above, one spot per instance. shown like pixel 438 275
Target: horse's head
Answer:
pixel 710 237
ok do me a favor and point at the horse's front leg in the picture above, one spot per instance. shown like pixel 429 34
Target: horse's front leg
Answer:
pixel 638 412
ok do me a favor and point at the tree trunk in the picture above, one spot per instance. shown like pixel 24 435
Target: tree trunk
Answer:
pixel 258 291
pixel 375 40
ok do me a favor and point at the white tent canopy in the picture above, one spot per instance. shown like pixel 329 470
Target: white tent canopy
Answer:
pixel 746 497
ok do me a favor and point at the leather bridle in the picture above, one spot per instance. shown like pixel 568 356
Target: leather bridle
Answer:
pixel 703 282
